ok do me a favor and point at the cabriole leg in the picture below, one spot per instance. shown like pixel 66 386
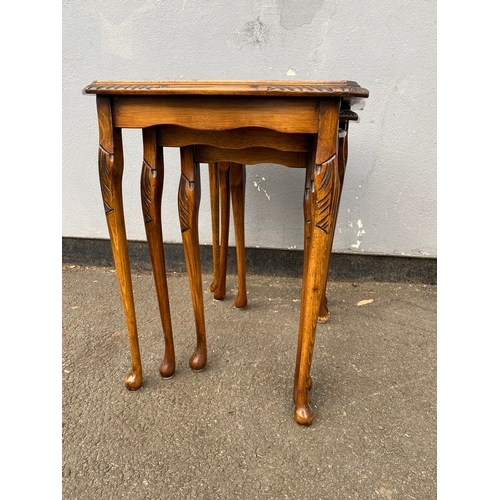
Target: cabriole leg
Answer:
pixel 223 167
pixel 213 176
pixel 321 202
pixel 189 204
pixel 237 180
pixel 110 176
pixel 342 160
pixel 151 193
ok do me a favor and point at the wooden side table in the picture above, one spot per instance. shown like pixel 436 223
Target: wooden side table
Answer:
pixel 227 182
pixel 293 123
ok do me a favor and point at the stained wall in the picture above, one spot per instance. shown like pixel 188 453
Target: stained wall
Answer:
pixel 388 203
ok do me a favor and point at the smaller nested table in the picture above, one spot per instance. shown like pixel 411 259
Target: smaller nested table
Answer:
pixel 301 124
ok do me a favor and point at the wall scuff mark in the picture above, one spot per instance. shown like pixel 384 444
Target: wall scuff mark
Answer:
pixel 254 33
pixel 295 13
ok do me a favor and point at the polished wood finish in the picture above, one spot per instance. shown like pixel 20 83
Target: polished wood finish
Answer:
pixel 228 124
pixel 342 162
pixel 324 192
pixel 189 205
pixel 245 137
pixel 299 141
pixel 250 156
pixel 213 175
pixel 217 113
pixel 231 177
pixel 110 176
pixel 346 89
pixel 224 190
pixel 237 182
pixel 151 192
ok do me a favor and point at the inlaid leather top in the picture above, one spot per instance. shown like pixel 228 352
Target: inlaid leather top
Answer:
pixel 337 88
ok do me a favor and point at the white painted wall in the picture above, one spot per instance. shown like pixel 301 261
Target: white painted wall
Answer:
pixel 388 46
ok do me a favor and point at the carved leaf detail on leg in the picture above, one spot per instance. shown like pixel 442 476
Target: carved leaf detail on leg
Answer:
pixel 324 185
pixel 185 191
pixel 147 174
pixel 105 163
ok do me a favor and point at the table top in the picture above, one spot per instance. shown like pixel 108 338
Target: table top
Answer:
pixel 292 88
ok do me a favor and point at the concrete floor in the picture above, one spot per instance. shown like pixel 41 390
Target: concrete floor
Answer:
pixel 228 432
